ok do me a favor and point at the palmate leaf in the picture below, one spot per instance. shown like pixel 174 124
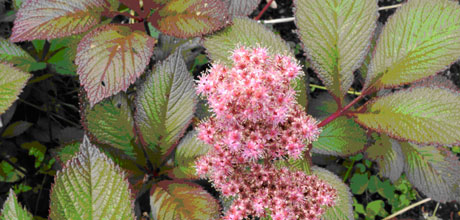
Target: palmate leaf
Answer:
pixel 434 171
pixel 190 18
pixel 425 114
pixel 110 58
pixel 11 53
pixel 243 32
pixel 165 103
pixel 336 36
pixel 387 153
pixel 12 81
pixel 187 151
pixel 419 40
pixel 111 122
pixel 12 210
pixel 241 7
pixel 343 208
pixel 48 19
pixel 182 201
pixel 91 186
pixel 341 137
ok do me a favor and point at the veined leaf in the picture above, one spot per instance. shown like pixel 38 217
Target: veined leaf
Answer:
pixel 343 208
pixel 187 151
pixel 190 18
pixel 11 53
pixel 48 19
pixel 182 200
pixel 111 122
pixel 387 153
pixel 242 7
pixel 426 115
pixel 91 186
pixel 12 81
pixel 243 32
pixel 165 103
pixel 336 35
pixel 419 40
pixel 110 58
pixel 12 210
pixel 434 171
pixel 341 137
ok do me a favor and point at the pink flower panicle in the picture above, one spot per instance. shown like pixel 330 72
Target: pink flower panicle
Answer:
pixel 256 118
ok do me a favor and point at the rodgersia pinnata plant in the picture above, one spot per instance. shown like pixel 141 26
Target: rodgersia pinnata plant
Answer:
pixel 154 133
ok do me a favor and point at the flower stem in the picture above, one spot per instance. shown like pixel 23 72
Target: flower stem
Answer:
pixel 263 10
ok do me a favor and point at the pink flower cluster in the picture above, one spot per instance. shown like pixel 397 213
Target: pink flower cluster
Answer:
pixel 257 121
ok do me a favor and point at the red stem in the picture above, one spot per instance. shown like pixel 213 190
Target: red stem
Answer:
pixel 341 111
pixel 263 10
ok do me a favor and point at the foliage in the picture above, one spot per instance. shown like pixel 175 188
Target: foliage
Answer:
pixel 140 110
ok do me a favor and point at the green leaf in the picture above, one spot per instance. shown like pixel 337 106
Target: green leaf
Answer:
pixel 165 103
pixel 11 53
pixel 187 151
pixel 419 40
pixel 376 208
pixel 10 174
pixel 241 7
pixel 190 18
pixel 37 150
pixel 341 137
pixel 336 35
pixel 48 19
pixel 359 183
pixel 182 200
pixel 91 186
pixel 243 32
pixel 343 208
pixel 426 115
pixel 67 152
pixel 16 129
pixel 434 171
pixel 111 122
pixel 110 59
pixel 12 81
pixel 12 210
pixel 387 153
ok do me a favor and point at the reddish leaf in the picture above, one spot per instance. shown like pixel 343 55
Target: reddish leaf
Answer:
pixel 191 18
pixel 48 19
pixel 110 58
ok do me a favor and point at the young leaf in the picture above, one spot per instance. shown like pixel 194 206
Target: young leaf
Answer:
pixel 424 115
pixel 343 208
pixel 187 151
pixel 419 40
pixel 336 35
pixel 67 152
pixel 12 210
pixel 12 81
pixel 243 32
pixel 190 18
pixel 165 103
pixel 341 137
pixel 182 200
pixel 111 122
pixel 11 53
pixel 110 58
pixel 242 8
pixel 48 19
pixel 91 186
pixel 387 153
